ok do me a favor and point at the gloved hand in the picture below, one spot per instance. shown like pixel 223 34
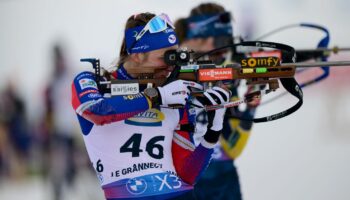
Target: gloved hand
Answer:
pixel 254 100
pixel 214 96
pixel 177 92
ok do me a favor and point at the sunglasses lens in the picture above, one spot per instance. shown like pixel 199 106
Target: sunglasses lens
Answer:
pixel 156 25
pixel 167 20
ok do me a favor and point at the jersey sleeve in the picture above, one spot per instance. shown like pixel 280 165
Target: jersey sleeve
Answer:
pixel 89 103
pixel 189 160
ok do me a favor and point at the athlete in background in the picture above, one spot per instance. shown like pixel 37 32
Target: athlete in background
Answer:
pixel 209 26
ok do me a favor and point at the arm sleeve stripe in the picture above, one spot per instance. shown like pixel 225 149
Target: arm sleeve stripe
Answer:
pixel 183 142
pixel 85 106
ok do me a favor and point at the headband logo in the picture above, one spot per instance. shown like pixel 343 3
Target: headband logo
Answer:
pixel 172 39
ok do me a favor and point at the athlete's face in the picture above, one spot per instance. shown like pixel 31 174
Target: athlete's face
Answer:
pixel 155 60
pixel 200 44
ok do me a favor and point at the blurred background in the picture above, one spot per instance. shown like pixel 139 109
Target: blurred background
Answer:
pixel 42 155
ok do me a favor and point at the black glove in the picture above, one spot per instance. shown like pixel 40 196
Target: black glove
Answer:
pixel 214 96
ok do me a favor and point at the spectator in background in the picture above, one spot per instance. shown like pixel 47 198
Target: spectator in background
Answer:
pixel 3 148
pixel 15 149
pixel 60 125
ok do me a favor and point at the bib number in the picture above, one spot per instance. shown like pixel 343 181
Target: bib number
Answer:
pixel 153 149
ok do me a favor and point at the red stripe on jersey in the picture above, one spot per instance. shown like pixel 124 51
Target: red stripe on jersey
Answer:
pixel 184 120
pixel 106 119
pixel 75 99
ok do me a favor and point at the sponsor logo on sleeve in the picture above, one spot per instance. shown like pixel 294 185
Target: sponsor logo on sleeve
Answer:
pixel 94 95
pixel 84 74
pixel 87 92
pixel 87 83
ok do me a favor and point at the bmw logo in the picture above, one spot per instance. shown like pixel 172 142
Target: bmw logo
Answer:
pixel 136 186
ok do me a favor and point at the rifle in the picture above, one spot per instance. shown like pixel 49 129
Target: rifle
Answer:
pixel 322 52
pixel 257 71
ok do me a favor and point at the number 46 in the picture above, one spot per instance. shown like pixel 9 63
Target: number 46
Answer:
pixel 133 145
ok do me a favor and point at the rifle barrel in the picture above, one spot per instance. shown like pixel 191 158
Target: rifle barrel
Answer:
pixel 317 64
pixel 324 49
